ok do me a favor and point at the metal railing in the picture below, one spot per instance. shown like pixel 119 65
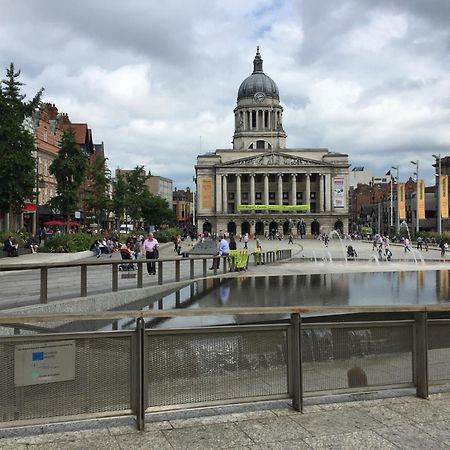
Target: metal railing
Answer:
pixel 146 370
pixel 186 265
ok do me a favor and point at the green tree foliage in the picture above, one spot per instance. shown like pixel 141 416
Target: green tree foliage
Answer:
pixel 17 163
pixel 120 197
pixel 137 192
pixel 132 197
pixel 156 211
pixel 98 201
pixel 69 169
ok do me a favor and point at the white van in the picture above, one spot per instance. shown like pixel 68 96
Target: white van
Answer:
pixel 126 228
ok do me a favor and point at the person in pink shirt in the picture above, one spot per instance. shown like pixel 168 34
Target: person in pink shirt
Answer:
pixel 151 246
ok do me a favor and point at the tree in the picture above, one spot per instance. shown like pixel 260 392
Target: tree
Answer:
pixel 69 169
pixel 98 201
pixel 137 192
pixel 120 197
pixel 156 211
pixel 17 162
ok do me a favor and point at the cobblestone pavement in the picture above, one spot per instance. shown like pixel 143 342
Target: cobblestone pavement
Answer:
pixel 396 423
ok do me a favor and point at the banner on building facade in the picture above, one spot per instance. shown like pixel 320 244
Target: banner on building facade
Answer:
pixel 444 196
pixel 401 201
pixel 273 208
pixel 338 192
pixel 206 193
pixel 421 201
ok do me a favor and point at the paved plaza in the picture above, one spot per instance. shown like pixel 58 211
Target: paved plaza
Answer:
pixel 396 423
pixel 404 422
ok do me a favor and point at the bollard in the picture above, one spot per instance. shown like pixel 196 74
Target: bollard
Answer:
pixel 83 287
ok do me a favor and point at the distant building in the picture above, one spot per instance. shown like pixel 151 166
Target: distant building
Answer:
pixel 162 187
pixel 183 207
pixel 234 185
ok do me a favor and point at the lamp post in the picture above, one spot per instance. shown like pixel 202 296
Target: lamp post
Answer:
pixel 416 163
pixel 398 196
pixel 438 192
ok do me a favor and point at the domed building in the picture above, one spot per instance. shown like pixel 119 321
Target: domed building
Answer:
pixel 260 186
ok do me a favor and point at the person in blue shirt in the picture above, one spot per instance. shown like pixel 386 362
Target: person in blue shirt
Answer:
pixel 224 250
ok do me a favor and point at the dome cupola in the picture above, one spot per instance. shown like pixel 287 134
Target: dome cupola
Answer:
pixel 258 82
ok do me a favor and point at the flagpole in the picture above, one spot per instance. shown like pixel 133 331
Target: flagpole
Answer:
pixel 398 196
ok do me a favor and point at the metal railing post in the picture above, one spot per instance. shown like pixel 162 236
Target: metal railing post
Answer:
pixel 421 354
pixel 140 275
pixel 225 264
pixel 192 269
pixel 83 282
pixel 295 356
pixel 138 392
pixel 177 270
pixel 160 272
pixel 44 285
pixel 214 264
pixel 204 267
pixel 115 277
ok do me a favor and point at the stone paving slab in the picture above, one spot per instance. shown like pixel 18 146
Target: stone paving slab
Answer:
pixel 395 423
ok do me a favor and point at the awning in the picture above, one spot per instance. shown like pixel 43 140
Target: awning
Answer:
pixel 29 207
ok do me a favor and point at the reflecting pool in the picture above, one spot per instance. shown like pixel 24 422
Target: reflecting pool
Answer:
pixel 346 289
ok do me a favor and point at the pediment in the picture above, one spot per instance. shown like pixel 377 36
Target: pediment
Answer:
pixel 275 159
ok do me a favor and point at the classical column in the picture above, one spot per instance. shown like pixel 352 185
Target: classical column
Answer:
pixel 293 189
pixel 257 119
pixel 280 188
pixel 307 200
pixel 321 192
pixel 218 193
pixel 328 192
pixel 252 189
pixel 266 189
pixel 238 191
pixel 225 194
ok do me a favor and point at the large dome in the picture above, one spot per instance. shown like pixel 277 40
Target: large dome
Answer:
pixel 258 81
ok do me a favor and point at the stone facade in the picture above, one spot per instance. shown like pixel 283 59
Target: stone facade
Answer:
pixel 260 170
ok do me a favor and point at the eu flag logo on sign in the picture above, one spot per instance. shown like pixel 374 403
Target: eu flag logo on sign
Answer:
pixel 38 356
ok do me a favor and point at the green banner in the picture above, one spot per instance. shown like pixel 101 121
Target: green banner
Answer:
pixel 273 208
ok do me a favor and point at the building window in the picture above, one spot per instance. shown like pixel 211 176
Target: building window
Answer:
pixel 258 195
pixel 244 178
pixel 299 195
pixel 285 195
pixel 258 178
pixel 312 195
pixel 272 178
pixel 245 196
pixel 271 195
pixel 230 195
pixel 260 144
pixel 313 178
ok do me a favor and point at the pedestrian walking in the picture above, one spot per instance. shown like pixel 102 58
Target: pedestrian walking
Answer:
pixel 246 238
pixel 150 247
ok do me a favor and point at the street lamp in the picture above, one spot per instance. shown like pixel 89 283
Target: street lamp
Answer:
pixel 398 196
pixel 416 163
pixel 438 192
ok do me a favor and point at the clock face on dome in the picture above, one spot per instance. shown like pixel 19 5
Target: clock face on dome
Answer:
pixel 259 97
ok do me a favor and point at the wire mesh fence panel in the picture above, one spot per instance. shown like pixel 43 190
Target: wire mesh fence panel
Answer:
pixel 355 357
pixel 438 351
pixel 100 381
pixel 196 368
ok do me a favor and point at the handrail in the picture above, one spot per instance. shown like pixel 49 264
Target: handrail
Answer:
pixel 280 310
pixel 268 257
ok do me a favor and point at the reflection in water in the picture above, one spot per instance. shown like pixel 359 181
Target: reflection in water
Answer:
pixel 349 289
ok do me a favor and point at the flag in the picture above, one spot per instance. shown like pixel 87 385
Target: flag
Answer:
pixel 421 201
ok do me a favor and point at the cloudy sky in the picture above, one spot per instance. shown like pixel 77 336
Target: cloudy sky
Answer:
pixel 157 81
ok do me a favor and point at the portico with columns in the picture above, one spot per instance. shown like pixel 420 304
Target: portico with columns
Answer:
pixel 260 170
